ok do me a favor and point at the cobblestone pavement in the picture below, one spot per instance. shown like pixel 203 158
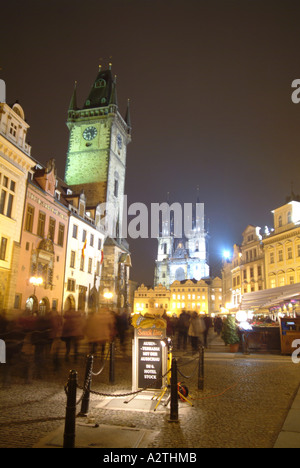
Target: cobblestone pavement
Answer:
pixel 243 405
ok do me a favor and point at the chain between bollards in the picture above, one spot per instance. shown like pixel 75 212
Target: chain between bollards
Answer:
pixel 69 433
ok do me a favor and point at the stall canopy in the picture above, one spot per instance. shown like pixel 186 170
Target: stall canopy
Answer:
pixel 270 297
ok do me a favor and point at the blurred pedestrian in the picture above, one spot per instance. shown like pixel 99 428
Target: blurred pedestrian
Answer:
pixel 72 332
pixel 13 335
pixel 196 331
pixel 183 327
pixel 208 324
pixel 121 328
pixel 40 339
pixel 55 335
pixel 218 325
pixel 99 330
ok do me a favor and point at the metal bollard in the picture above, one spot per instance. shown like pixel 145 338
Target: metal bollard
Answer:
pixel 87 387
pixel 174 393
pixel 112 363
pixel 201 368
pixel 69 433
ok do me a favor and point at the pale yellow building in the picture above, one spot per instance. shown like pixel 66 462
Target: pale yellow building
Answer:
pixel 16 165
pixel 247 266
pixel 151 300
pixel 282 247
pixel 203 296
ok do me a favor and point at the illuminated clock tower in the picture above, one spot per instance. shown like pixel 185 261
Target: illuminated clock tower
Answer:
pixel 96 158
pixel 96 165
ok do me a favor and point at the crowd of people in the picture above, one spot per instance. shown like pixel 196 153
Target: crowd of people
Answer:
pixel 53 334
pixel 191 328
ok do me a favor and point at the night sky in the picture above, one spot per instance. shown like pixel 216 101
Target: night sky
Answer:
pixel 209 84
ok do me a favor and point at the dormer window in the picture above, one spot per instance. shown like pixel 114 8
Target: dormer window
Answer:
pixel 13 129
pixel 100 84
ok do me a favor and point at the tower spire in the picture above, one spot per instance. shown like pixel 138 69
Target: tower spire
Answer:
pixel 113 97
pixel 127 116
pixel 73 102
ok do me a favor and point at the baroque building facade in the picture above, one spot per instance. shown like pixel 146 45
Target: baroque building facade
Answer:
pixel 40 275
pixel 282 247
pixel 16 164
pixel 265 262
pixel 203 297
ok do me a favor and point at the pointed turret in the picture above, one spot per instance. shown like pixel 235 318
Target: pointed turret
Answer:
pixel 113 97
pixel 73 102
pixel 128 117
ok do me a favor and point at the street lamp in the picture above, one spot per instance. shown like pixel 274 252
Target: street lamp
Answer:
pixel 108 295
pixel 35 281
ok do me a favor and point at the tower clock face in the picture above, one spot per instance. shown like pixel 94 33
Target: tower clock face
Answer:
pixel 89 133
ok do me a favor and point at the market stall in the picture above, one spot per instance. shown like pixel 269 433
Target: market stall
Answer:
pixel 289 332
pixel 263 336
pixel 275 320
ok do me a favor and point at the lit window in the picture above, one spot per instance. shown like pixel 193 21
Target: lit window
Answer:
pixel 3 247
pixel 51 230
pixel 61 234
pixel 29 218
pixel 41 224
pixel 72 259
pixel 71 285
pixel 7 196
pixel 75 231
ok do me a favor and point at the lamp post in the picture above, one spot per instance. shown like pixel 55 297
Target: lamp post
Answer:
pixel 35 281
pixel 108 295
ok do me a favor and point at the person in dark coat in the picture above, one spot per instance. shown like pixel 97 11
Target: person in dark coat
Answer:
pixel 208 324
pixel 183 327
pixel 218 325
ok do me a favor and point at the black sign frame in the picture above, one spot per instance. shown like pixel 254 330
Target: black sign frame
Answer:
pixel 150 363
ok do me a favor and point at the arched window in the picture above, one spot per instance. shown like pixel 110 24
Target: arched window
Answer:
pixel 100 84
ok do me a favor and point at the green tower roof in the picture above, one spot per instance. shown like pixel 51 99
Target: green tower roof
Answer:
pixel 102 92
